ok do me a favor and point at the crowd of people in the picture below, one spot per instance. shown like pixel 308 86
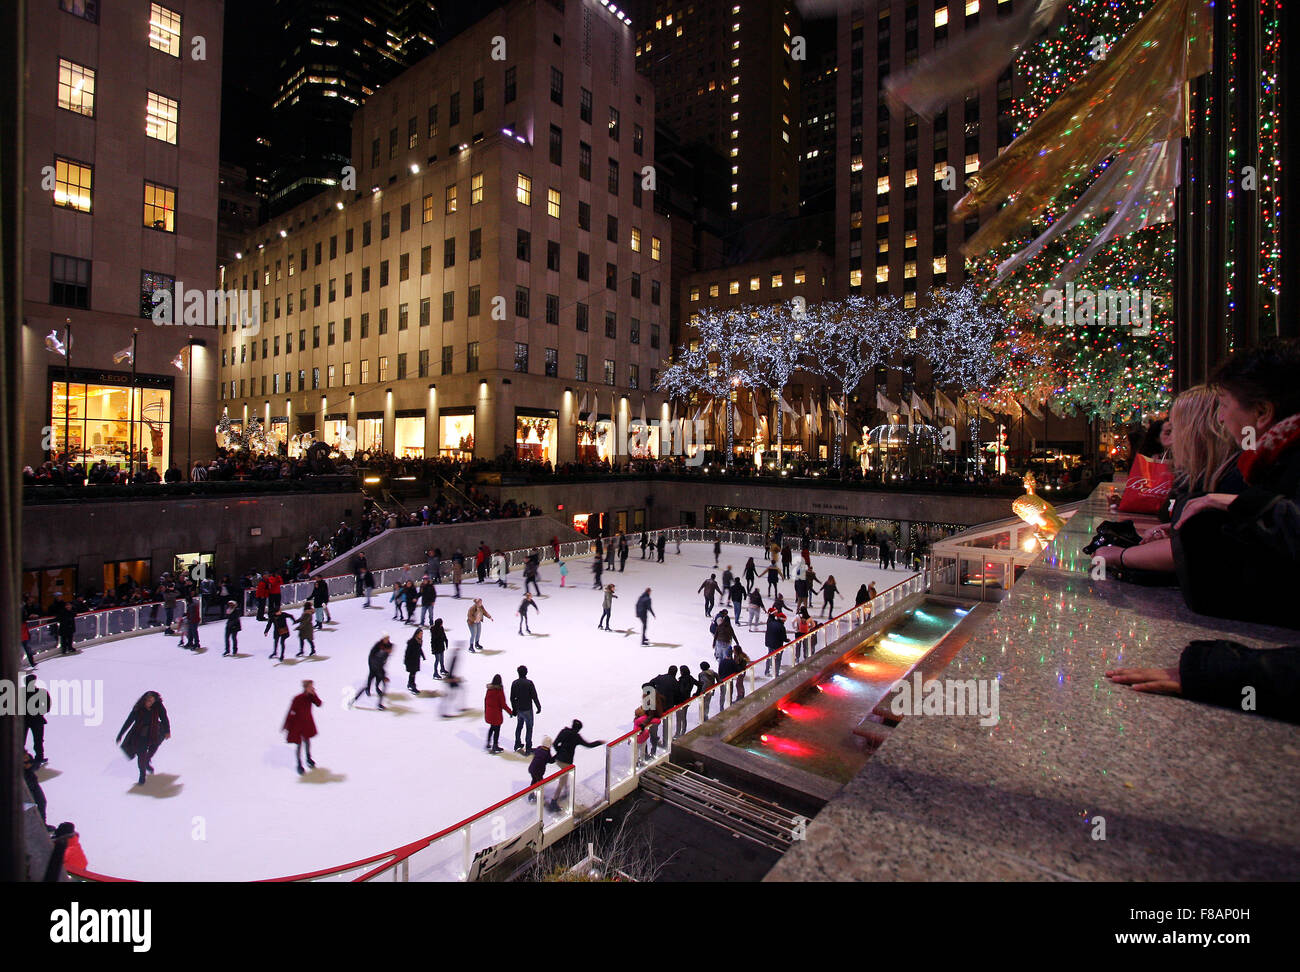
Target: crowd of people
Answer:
pixel 1228 533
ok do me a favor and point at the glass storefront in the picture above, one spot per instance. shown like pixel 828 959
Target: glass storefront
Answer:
pixel 643 441
pixel 45 584
pixel 536 437
pixel 338 436
pixel 408 436
pixel 370 433
pixel 117 572
pixel 278 433
pixel 456 434
pixel 95 422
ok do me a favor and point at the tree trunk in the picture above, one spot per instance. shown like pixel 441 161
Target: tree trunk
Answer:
pixel 780 433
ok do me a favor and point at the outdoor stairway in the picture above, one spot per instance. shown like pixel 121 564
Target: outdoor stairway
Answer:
pixel 762 822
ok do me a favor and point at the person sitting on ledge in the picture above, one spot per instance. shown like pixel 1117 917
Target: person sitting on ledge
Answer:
pixel 1265 681
pixel 1204 458
pixel 1238 556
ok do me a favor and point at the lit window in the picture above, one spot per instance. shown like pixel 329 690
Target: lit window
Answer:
pixel 856 164
pixel 882 185
pixel 972 162
pixel 164 30
pixel 941 16
pixel 940 171
pixel 735 99
pixel 734 152
pixel 476 188
pixel 524 190
pixel 72 184
pixel 735 27
pixel 909 238
pixel 734 205
pixel 654 248
pixel 553 203
pixel 159 207
pixel 76 88
pixel 778 280
pixel 882 274
pixel 909 269
pixel 695 293
pixel 753 283
pixel 882 246
pixel 855 278
pixel 941 264
pixel 713 290
pixel 909 178
pixel 972 7
pixel 909 300
pixel 160 118
pixel 799 275
pixel 733 287
pixel 636 240
pixel 428 208
pixel 449 205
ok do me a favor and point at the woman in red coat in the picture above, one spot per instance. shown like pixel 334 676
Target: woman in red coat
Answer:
pixel 494 704
pixel 299 723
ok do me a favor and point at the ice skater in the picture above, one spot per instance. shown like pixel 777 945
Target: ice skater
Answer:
pixel 608 606
pixel 451 696
pixel 494 704
pixel 306 630
pixel 644 611
pixel 710 590
pixel 773 574
pixel 300 725
pixel 414 655
pixel 376 662
pixel 474 621
pixel 233 627
pixel 537 768
pixel 278 621
pixel 530 573
pixel 368 585
pixel 145 730
pixel 526 605
pixel 829 589
pixel 708 679
pixel 737 593
pixel 523 697
pixel 457 575
pixel 755 607
pixel 774 640
pixel 428 600
pixel 645 542
pixel 661 544
pixel 564 571
pixel 597 568
pixel 717 552
pixel 320 599
pixel 565 744
pixel 750 572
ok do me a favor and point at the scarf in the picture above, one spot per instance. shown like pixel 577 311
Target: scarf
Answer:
pixel 1280 437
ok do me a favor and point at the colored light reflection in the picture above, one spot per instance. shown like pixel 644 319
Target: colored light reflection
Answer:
pixel 873 668
pixel 787 746
pixel 797 711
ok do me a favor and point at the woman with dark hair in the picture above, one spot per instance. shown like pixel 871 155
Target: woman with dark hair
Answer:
pixel 494 704
pixel 145 729
pixel 1255 533
pixel 1157 440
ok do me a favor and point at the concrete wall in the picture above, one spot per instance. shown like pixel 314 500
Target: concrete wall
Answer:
pixel 407 545
pixel 88 534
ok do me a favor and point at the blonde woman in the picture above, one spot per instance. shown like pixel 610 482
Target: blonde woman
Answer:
pixel 1204 456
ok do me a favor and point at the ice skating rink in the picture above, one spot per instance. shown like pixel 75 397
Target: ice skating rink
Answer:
pixel 226 802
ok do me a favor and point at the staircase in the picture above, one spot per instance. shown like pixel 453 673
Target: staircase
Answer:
pixel 764 823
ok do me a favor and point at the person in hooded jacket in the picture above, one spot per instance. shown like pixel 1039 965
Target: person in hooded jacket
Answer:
pixel 414 655
pixel 494 703
pixel 299 725
pixel 862 596
pixel 437 646
pixel 537 768
pixel 774 640
pixel 144 730
pixel 755 606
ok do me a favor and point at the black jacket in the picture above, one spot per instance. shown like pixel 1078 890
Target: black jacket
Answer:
pixel 1258 539
pixel 414 654
pixel 320 594
pixel 438 641
pixel 1218 672
pixel 144 729
pixel 776 635
pixel 233 624
pixel 567 741
pixel 378 660
pixel 523 695
pixel 686 685
pixel 666 686
pixel 643 607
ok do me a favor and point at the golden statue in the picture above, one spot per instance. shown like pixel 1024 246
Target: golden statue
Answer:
pixel 1036 511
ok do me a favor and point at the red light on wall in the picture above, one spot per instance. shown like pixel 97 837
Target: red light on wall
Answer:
pixel 559 507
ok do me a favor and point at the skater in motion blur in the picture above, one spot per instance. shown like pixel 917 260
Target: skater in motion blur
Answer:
pixel 377 660
pixel 144 731
pixel 451 697
pixel 299 723
pixel 644 611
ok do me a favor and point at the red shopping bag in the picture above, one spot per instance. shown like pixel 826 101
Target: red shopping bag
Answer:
pixel 1147 489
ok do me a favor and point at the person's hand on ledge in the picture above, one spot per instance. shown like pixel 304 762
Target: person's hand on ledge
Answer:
pixel 1162 681
pixel 1110 554
pixel 1210 501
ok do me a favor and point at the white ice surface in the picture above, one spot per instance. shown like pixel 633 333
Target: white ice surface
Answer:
pixel 226 802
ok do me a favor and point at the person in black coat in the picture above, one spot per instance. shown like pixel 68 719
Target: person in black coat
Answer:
pixel 35 705
pixel 1257 531
pixel 565 745
pixel 643 611
pixel 686 688
pixel 737 595
pixel 233 627
pixel 279 621
pixel 773 573
pixel 144 731
pixel 1226 674
pixel 660 545
pixel 414 655
pixel 774 638
pixel 524 700
pixel 65 616
pixel 376 661
pixel 320 599
pixel 34 783
pixel 438 645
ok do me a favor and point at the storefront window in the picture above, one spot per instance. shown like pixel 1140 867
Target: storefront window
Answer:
pixel 370 434
pixel 536 438
pixel 580 522
pixel 118 572
pixel 596 441
pixel 408 437
pixel 456 436
pixel 339 436
pixel 279 433
pixel 643 441
pixel 93 423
